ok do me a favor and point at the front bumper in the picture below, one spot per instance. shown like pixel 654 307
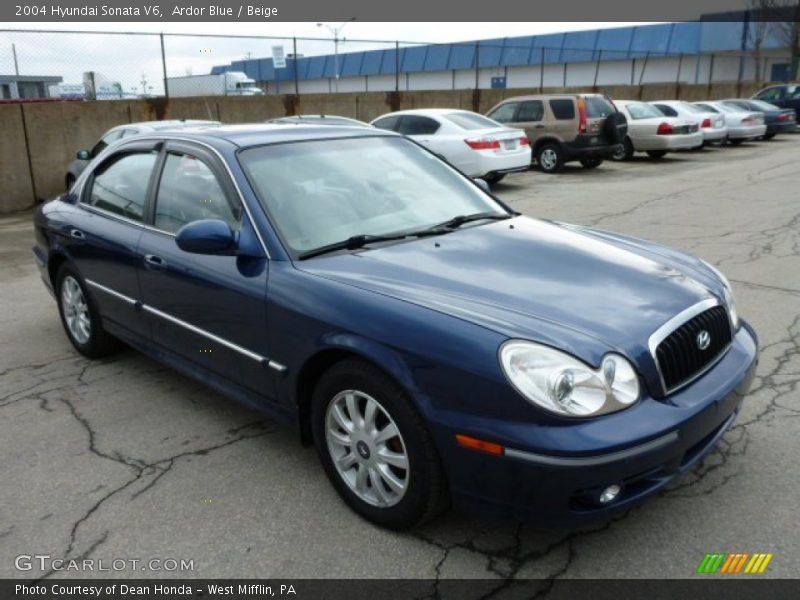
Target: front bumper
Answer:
pixel 641 449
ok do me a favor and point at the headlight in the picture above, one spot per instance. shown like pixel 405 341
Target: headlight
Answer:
pixel 727 294
pixel 562 384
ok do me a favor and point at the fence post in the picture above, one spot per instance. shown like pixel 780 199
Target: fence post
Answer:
pixel 644 68
pixel 164 66
pixel 597 70
pixel 541 73
pixel 397 66
pixel 711 75
pixel 678 77
pixel 294 64
pixel 477 64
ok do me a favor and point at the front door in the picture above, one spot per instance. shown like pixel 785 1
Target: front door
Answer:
pixel 210 310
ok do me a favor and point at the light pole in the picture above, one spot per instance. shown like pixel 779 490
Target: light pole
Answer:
pixel 336 31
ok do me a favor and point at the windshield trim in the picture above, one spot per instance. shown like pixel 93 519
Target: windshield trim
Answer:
pixel 295 255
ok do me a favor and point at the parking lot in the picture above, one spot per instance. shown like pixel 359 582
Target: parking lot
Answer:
pixel 123 458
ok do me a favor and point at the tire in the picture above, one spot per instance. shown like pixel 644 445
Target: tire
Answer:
pixel 626 153
pixel 591 163
pixel 768 136
pixel 79 315
pixel 736 142
pixel 550 157
pixel 493 178
pixel 656 153
pixel 356 383
pixel 616 128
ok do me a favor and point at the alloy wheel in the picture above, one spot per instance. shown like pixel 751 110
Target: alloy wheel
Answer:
pixel 367 449
pixel 548 159
pixel 76 310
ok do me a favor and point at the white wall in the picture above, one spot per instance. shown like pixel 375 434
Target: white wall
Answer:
pixel 693 69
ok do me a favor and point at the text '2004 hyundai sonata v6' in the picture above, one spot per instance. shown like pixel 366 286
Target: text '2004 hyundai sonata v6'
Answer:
pixel 433 345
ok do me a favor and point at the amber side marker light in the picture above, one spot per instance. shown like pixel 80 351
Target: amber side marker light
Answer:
pixel 480 445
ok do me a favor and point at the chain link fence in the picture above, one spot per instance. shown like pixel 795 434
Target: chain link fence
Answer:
pixel 72 65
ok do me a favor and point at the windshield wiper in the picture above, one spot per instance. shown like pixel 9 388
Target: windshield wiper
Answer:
pixel 460 220
pixel 352 243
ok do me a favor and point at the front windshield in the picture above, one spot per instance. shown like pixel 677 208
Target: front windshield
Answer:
pixel 324 191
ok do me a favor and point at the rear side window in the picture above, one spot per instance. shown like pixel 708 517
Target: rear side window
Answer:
pixel 793 91
pixel 389 123
pixel 504 113
pixel 598 107
pixel 667 110
pixel 563 108
pixel 641 110
pixel 417 125
pixel 531 110
pixel 467 120
pixel 119 185
pixel 707 107
pixel 189 191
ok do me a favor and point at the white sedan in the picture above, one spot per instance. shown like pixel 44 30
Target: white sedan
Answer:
pixel 649 130
pixel 743 124
pixel 712 124
pixel 472 143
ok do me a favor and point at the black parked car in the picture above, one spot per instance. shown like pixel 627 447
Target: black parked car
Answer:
pixel 778 120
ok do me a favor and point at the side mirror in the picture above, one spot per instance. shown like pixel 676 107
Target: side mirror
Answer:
pixel 208 236
pixel 481 183
pixel 84 155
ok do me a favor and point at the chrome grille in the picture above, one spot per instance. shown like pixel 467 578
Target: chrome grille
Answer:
pixel 681 355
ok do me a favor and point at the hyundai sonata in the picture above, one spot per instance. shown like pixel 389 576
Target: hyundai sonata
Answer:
pixel 435 346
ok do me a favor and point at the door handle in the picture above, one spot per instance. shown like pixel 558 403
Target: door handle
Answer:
pixel 77 234
pixel 155 262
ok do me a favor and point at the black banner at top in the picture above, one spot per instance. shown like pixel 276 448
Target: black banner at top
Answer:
pixel 171 11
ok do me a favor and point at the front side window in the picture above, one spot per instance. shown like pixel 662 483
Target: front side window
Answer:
pixel 119 185
pixel 325 191
pixel 563 108
pixel 504 113
pixel 189 191
pixel 770 94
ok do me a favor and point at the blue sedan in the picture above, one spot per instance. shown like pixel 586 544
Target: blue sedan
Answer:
pixel 436 347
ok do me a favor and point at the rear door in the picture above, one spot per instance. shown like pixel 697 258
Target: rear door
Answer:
pixel 530 117
pixel 209 310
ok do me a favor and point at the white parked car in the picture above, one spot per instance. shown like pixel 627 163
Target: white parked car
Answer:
pixel 712 124
pixel 651 131
pixel 474 144
pixel 743 124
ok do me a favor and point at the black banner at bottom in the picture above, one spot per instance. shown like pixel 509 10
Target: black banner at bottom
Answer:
pixel 707 588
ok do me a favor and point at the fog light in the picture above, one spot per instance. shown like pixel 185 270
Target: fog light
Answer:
pixel 610 494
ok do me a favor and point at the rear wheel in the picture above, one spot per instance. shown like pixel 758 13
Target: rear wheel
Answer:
pixel 768 136
pixel 737 141
pixel 624 153
pixel 591 163
pixel 550 158
pixel 80 317
pixel 493 178
pixel 375 448
pixel 656 153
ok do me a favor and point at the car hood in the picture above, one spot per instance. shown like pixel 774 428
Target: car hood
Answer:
pixel 587 291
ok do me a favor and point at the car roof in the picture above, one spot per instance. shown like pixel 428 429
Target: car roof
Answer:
pixel 166 123
pixel 260 134
pixel 427 112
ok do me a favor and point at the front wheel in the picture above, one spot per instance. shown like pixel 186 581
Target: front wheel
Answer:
pixel 591 163
pixel 550 158
pixel 656 153
pixel 80 317
pixel 375 448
